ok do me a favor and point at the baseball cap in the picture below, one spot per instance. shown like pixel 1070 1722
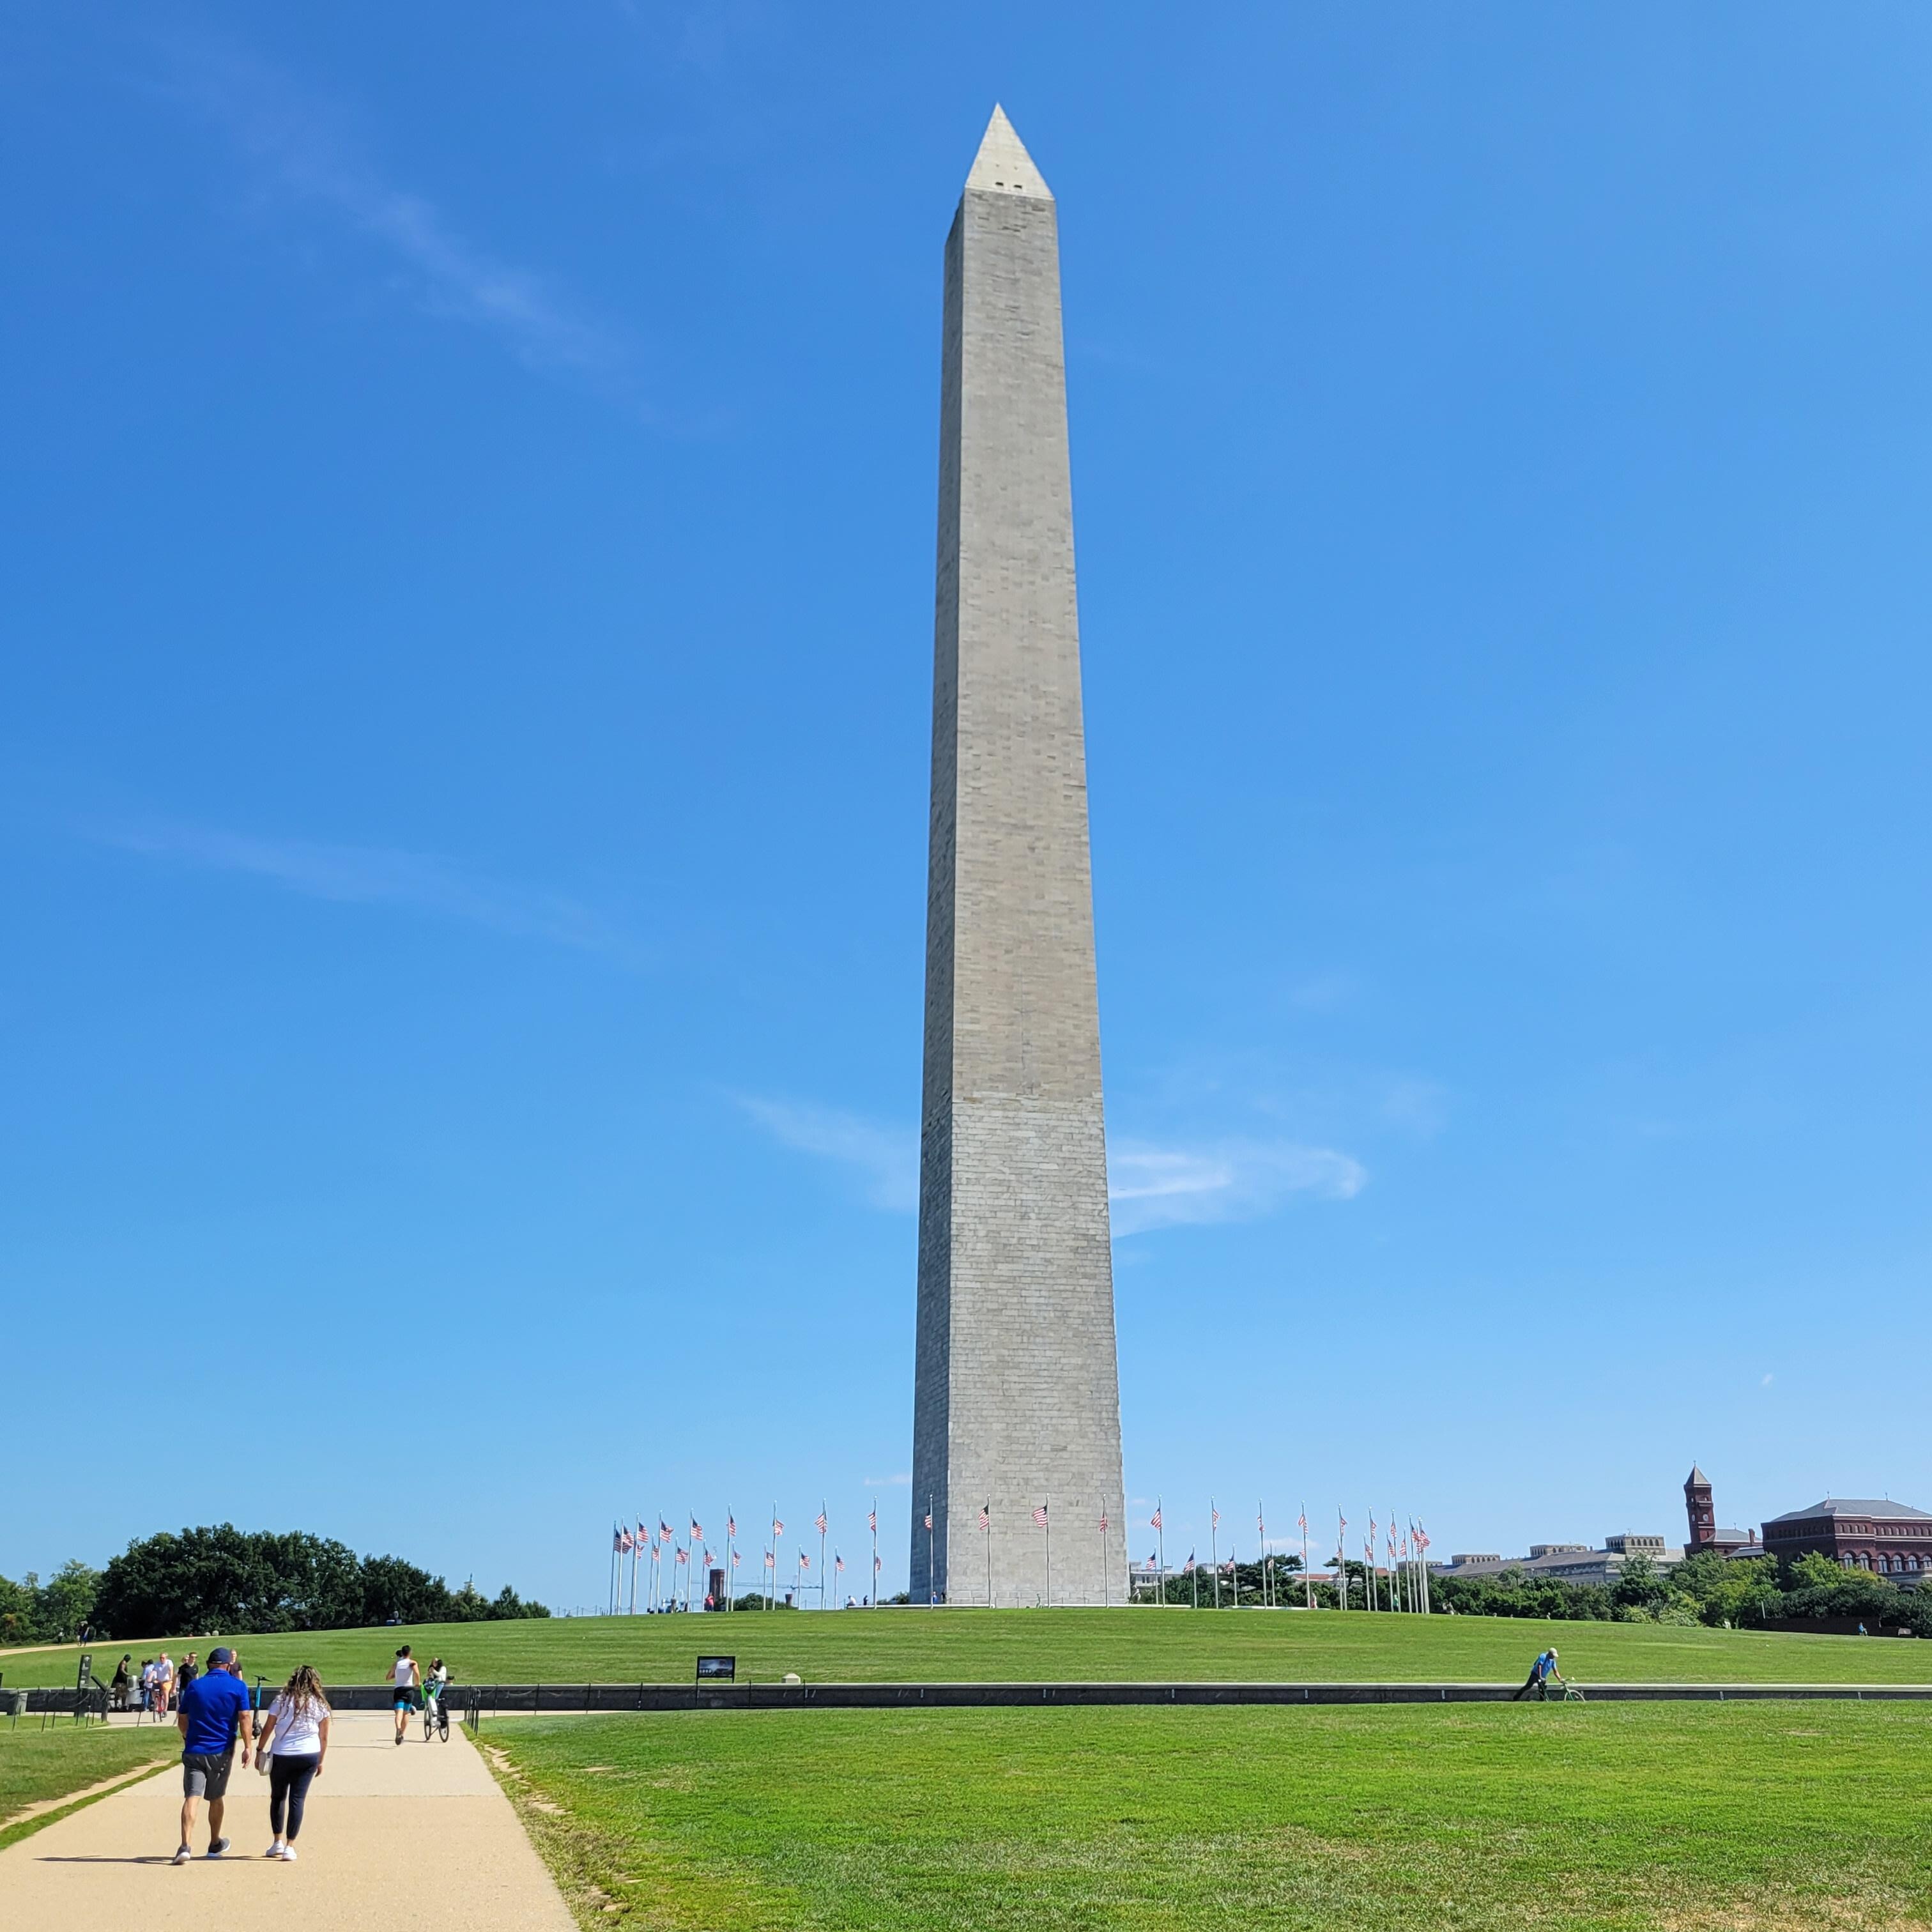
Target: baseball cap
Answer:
pixel 220 1655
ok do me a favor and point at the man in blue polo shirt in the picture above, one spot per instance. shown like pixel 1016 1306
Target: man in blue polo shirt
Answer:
pixel 213 1708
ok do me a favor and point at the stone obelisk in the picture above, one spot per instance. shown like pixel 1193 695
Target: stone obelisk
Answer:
pixel 1016 1395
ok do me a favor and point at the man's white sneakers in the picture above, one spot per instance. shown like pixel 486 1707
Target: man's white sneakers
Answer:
pixel 183 1856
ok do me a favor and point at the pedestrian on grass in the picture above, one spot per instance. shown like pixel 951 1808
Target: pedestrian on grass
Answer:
pixel 164 1680
pixel 290 1747
pixel 1543 1673
pixel 214 1711
pixel 121 1684
pixel 404 1678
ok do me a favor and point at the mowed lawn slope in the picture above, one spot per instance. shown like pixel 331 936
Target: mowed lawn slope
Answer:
pixel 934 1646
pixel 1676 1816
pixel 37 1765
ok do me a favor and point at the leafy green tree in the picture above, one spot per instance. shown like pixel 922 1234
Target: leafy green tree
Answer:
pixel 394 1591
pixel 19 1610
pixel 64 1606
pixel 1640 1586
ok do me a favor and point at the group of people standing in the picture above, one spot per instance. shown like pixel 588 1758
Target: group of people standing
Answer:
pixel 160 1681
pixel 288 1739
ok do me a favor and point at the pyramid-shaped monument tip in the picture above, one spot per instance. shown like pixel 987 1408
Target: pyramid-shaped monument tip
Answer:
pixel 1003 166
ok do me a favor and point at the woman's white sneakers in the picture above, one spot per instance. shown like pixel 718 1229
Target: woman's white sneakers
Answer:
pixel 279 1850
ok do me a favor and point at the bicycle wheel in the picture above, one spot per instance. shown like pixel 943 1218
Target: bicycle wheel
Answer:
pixel 442 1720
pixel 429 1721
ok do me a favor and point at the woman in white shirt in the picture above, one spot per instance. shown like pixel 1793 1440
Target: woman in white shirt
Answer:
pixel 291 1742
pixel 404 1677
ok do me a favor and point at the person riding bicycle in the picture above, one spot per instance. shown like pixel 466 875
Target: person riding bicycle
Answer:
pixel 435 1684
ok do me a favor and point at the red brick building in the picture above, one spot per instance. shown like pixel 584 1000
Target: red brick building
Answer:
pixel 1890 1539
pixel 1700 1512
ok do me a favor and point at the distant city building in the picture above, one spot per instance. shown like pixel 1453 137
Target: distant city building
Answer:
pixel 1566 1562
pixel 1891 1539
pixel 1705 1533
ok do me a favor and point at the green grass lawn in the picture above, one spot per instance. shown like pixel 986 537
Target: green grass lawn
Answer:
pixel 36 1765
pixel 910 1645
pixel 1675 1817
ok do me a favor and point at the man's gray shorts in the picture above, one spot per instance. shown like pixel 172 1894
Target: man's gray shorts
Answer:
pixel 204 1774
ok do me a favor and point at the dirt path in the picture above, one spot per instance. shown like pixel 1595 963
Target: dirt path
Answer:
pixel 420 1838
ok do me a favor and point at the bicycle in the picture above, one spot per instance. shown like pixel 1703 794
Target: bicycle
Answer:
pixel 436 1717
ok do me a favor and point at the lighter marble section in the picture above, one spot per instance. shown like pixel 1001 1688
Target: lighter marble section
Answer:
pixel 1017 1393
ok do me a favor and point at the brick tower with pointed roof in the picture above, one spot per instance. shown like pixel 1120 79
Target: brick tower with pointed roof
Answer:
pixel 1700 1507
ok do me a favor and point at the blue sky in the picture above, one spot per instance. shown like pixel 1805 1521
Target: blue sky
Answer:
pixel 467 604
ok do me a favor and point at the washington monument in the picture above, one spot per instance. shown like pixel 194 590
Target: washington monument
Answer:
pixel 1016 1405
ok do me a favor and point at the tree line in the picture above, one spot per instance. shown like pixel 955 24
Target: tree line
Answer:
pixel 212 1581
pixel 1736 1593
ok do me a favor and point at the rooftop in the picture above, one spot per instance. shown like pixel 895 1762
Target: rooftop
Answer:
pixel 1884 1509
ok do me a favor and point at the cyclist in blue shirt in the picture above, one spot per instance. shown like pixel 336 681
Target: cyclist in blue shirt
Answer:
pixel 1542 1674
pixel 213 1709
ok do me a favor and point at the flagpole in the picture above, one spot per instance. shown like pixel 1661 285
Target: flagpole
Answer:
pixel 931 1582
pixel 1106 1588
pixel 1047 1506
pixel 1160 1549
pixel 821 1553
pixel 610 1596
pixel 987 1514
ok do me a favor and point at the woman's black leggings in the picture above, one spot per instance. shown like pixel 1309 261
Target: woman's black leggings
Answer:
pixel 288 1781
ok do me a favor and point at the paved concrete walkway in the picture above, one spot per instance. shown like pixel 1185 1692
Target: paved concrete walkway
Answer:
pixel 420 1837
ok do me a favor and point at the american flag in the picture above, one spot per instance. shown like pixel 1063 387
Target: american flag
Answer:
pixel 878 1564
pixel 1188 1565
pixel 684 1556
pixel 985 1517
pixel 777 1529
pixel 696 1531
pixel 872 1520
pixel 731 1526
pixel 928 1519
pixel 1261 1527
pixel 1153 1521
pixel 1303 1520
pixel 769 1559
pixel 737 1557
pixel 1214 1515
pixel 838 1561
pixel 1039 1516
pixel 818 1521
pixel 708 1559
pixel 804 1561
pixel 643 1534
pixel 623 1543
pixel 1103 1522
pixel 664 1531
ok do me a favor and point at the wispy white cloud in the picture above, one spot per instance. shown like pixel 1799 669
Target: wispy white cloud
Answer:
pixel 1150 1187
pixel 886 1158
pixel 903 1482
pixel 1226 1180
pixel 375 875
pixel 298 148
